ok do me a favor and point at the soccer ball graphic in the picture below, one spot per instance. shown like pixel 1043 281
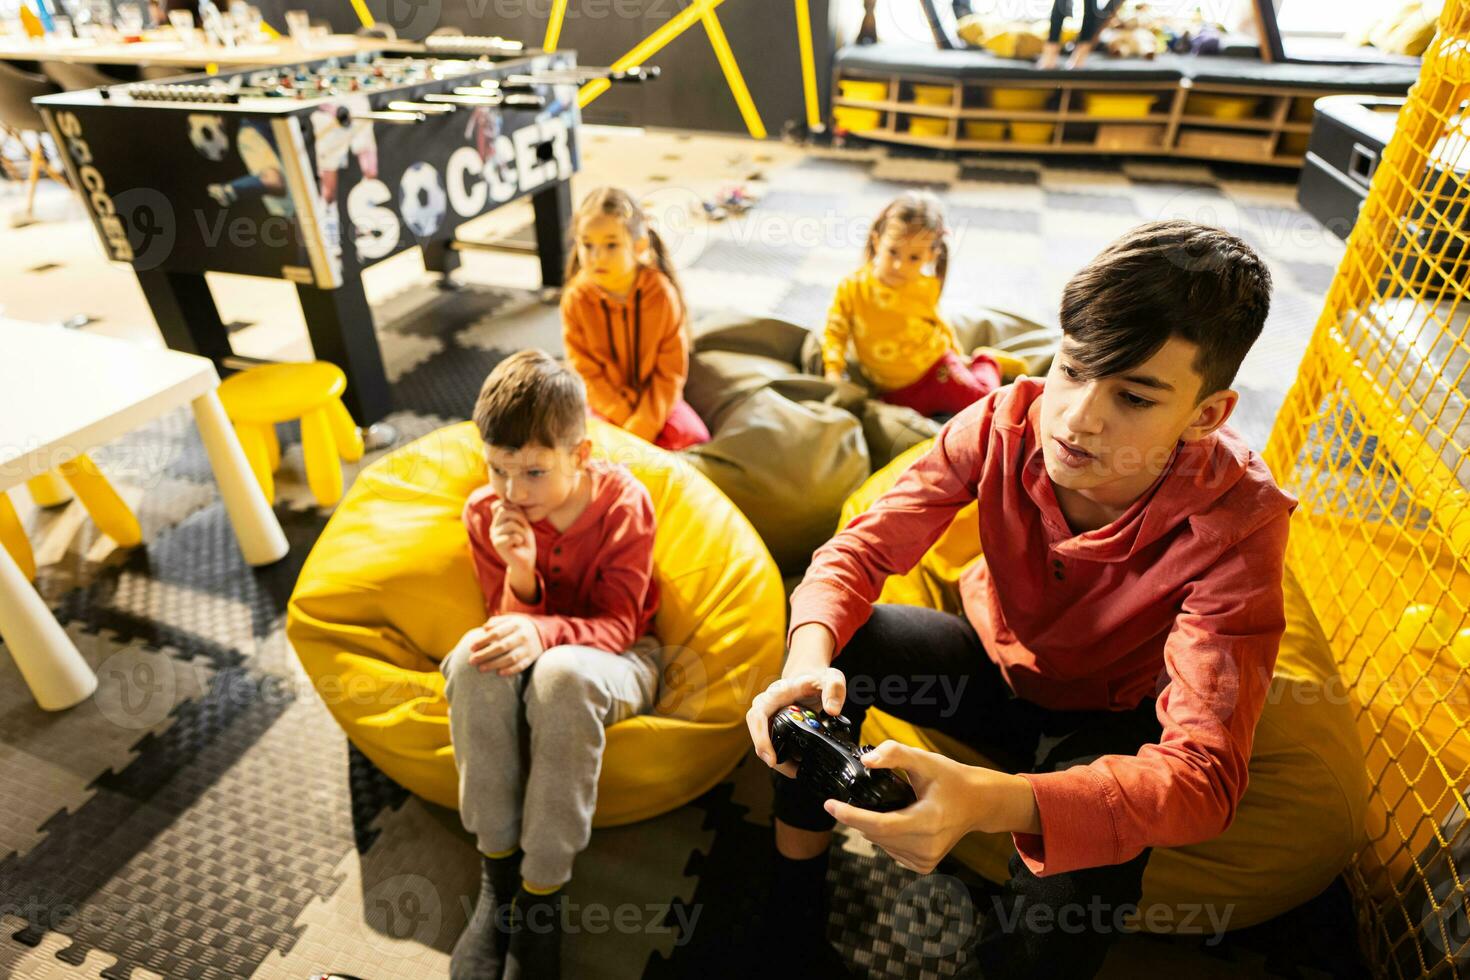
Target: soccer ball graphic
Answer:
pixel 421 200
pixel 207 133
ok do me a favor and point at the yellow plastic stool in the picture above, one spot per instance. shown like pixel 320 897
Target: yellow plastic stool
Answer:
pixel 108 510
pixel 48 490
pixel 259 397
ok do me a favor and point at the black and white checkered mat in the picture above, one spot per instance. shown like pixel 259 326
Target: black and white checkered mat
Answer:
pixel 202 816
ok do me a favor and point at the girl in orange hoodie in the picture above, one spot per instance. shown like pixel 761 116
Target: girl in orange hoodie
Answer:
pixel 623 323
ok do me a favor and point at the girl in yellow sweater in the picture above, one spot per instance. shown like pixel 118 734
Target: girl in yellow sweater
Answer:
pixel 889 312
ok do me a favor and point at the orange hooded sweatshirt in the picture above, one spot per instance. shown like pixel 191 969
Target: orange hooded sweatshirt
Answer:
pixel 632 353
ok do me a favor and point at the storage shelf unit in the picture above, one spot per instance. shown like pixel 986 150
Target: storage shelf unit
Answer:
pixel 1271 131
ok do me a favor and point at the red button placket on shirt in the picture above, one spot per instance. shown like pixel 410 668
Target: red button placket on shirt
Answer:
pixel 1057 536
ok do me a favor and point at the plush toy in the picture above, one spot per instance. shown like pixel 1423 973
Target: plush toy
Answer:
pixel 1007 38
pixel 1137 32
pixel 1406 30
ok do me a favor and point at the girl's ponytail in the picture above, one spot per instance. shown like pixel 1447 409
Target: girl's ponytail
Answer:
pixel 666 266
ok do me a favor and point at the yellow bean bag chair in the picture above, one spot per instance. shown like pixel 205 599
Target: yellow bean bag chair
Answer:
pixel 1302 816
pixel 389 589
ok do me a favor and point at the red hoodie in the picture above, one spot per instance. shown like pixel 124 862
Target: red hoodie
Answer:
pixel 595 578
pixel 1179 597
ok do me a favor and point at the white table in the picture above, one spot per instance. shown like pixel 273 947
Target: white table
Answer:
pixel 63 393
pixel 175 54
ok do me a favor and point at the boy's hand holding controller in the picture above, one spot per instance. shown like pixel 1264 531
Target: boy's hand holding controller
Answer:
pixel 953 799
pixel 508 644
pixel 808 677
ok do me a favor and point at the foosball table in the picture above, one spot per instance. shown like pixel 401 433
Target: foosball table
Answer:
pixel 312 172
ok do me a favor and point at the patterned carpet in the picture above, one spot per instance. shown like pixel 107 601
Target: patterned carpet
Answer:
pixel 202 816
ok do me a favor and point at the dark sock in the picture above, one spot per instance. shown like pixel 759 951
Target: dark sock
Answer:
pixel 796 916
pixel 799 893
pixel 479 954
pixel 535 940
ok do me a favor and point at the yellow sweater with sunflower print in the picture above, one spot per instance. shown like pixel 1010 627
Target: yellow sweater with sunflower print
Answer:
pixel 897 333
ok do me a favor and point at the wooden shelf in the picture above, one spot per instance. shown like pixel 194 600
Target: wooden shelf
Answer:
pixel 1079 118
pixel 1068 115
pixel 1250 122
pixel 912 108
pixel 999 115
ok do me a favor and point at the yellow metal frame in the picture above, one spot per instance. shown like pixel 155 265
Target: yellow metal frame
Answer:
pixel 363 14
pixel 699 12
pixel 808 65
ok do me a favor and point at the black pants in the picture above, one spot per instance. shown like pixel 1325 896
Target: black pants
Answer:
pixel 1091 17
pixel 929 668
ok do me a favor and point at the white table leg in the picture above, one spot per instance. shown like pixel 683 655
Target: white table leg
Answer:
pixel 261 539
pixel 53 669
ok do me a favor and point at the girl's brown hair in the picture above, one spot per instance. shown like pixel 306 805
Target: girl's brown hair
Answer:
pixel 620 204
pixel 915 212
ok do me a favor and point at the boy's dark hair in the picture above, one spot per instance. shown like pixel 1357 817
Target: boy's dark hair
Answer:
pixel 1163 279
pixel 531 399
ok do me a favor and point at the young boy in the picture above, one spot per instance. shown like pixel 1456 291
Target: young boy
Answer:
pixel 1118 635
pixel 563 549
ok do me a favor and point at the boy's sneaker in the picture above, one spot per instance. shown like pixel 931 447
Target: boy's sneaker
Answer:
pixel 535 940
pixel 480 952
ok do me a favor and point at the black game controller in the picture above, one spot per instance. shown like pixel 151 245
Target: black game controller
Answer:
pixel 827 759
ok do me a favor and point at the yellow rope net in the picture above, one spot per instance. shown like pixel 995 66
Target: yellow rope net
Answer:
pixel 1374 439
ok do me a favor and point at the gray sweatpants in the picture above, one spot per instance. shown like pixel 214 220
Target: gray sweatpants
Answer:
pixel 529 747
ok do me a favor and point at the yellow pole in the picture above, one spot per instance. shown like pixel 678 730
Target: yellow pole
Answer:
pixel 363 14
pixel 808 65
pixel 553 24
pixel 649 46
pixel 733 78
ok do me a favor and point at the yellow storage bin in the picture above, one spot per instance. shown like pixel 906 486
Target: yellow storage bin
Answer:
pixel 1293 144
pixel 976 129
pixel 1028 99
pixel 1032 132
pixel 1306 767
pixel 1302 109
pixel 389 589
pixel 925 126
pixel 1221 106
pixel 856 120
pixel 863 91
pixel 934 94
pixel 1118 103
